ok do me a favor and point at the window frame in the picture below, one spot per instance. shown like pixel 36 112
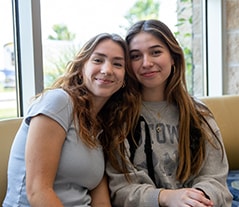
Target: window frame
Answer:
pixel 28 51
pixel 29 60
pixel 213 46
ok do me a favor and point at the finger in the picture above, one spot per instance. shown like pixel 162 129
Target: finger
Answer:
pixel 197 199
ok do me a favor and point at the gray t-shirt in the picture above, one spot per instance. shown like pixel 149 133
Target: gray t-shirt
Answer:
pixel 80 168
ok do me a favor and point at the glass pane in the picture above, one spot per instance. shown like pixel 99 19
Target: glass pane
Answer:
pixel 64 32
pixel 8 105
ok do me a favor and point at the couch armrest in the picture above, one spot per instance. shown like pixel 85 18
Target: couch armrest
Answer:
pixel 226 111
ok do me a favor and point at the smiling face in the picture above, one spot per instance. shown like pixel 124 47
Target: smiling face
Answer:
pixel 104 72
pixel 151 62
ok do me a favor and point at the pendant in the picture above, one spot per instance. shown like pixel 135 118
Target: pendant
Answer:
pixel 158 129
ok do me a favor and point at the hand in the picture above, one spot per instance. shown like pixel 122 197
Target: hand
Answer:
pixel 186 197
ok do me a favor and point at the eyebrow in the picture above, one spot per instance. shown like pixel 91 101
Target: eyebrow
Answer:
pixel 103 55
pixel 152 47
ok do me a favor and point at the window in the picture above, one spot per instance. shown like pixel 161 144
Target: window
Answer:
pixel 43 50
pixel 8 104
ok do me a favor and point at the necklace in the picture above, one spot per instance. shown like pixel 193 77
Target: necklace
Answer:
pixel 153 114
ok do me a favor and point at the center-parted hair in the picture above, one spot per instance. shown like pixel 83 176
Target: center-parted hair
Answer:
pixel 193 127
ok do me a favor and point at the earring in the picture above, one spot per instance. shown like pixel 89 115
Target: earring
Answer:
pixel 123 85
pixel 173 69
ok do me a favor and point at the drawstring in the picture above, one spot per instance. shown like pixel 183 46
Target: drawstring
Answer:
pixel 133 142
pixel 149 153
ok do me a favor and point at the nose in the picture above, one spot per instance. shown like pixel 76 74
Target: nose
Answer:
pixel 107 68
pixel 147 61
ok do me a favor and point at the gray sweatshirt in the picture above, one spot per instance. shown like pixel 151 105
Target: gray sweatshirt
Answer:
pixel 162 121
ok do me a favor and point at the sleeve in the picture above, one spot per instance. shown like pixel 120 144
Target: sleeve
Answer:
pixel 213 174
pixel 55 104
pixel 140 191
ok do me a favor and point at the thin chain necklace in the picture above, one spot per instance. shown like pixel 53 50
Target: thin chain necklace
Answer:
pixel 153 113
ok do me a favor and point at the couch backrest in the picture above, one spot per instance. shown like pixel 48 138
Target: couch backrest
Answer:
pixel 8 129
pixel 226 111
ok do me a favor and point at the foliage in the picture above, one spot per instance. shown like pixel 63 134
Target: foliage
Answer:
pixel 142 9
pixel 62 53
pixel 61 32
pixel 149 9
pixel 57 64
pixel 185 38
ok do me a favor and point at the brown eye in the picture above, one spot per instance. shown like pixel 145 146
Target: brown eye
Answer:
pixel 118 65
pixel 156 52
pixel 134 56
pixel 97 60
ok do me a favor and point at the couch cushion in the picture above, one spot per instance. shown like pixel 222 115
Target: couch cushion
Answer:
pixel 226 111
pixel 8 129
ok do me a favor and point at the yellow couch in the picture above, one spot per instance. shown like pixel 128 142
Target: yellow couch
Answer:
pixel 8 129
pixel 224 108
pixel 226 111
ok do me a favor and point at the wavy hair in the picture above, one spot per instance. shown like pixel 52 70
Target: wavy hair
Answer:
pixel 193 127
pixel 118 115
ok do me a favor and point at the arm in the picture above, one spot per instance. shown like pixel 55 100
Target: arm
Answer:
pixel 100 195
pixel 43 149
pixel 210 183
pixel 140 192
pixel 212 177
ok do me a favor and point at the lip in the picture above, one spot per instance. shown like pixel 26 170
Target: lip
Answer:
pixel 104 81
pixel 149 74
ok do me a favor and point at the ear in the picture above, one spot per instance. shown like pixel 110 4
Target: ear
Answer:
pixel 172 62
pixel 124 84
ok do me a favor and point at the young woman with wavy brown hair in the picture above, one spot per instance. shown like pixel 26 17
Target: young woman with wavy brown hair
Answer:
pixel 57 158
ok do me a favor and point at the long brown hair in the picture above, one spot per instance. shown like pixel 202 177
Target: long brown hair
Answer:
pixel 193 127
pixel 118 115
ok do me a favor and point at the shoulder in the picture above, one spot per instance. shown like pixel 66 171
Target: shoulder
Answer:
pixel 200 105
pixel 197 100
pixel 55 103
pixel 53 98
pixel 57 95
